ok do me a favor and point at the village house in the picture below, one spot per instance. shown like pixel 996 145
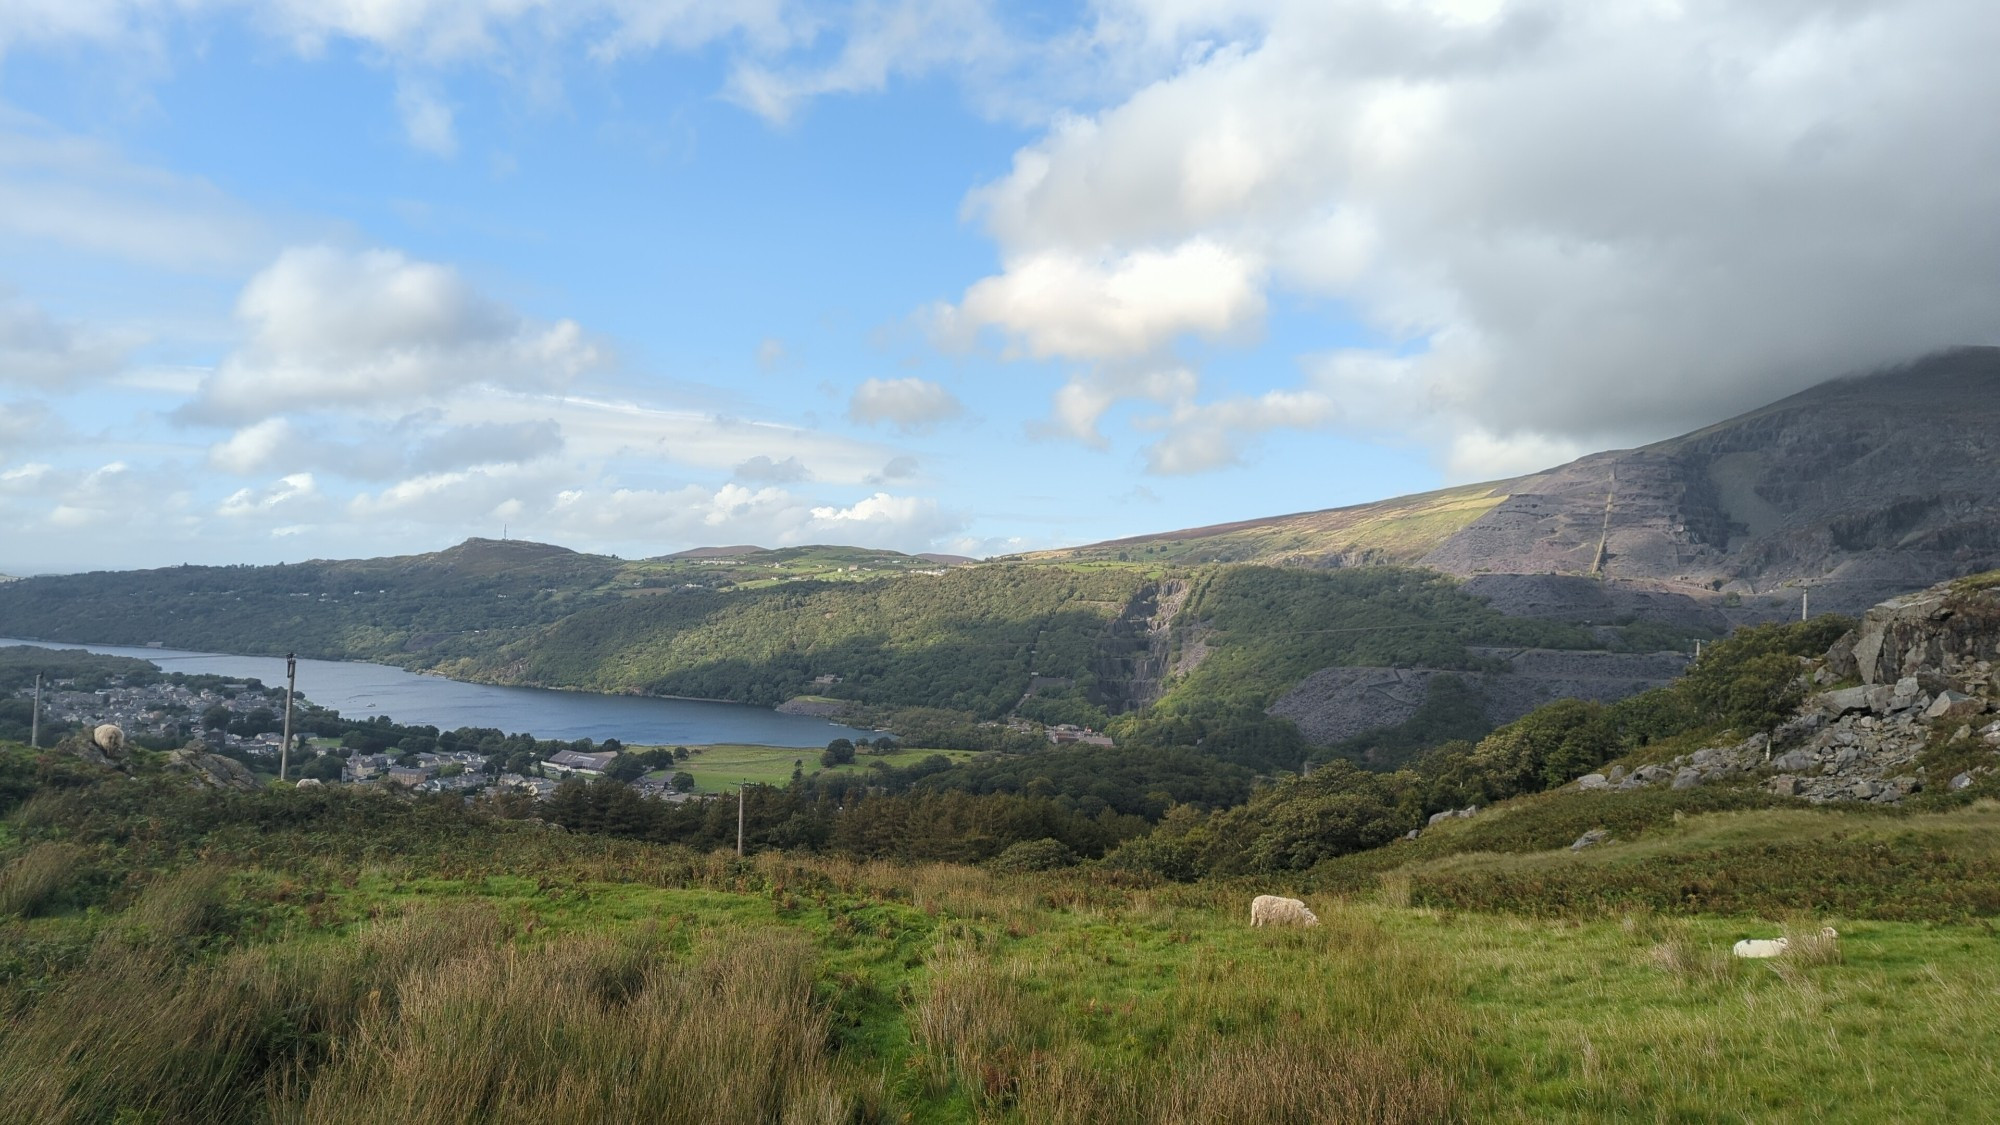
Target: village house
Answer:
pixel 576 761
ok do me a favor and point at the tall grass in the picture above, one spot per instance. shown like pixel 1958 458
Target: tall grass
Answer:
pixel 38 876
pixel 1342 1024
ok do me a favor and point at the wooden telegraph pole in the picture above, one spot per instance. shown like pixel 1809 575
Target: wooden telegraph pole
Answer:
pixel 739 816
pixel 291 684
pixel 35 720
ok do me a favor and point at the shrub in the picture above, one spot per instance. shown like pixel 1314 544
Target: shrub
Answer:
pixel 1034 855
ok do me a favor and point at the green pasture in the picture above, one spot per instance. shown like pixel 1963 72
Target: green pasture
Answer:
pixel 721 767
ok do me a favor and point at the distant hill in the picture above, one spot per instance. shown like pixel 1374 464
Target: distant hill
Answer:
pixel 1859 488
pixel 715 552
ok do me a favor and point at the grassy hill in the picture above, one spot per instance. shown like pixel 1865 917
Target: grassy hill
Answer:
pixel 1388 532
pixel 183 957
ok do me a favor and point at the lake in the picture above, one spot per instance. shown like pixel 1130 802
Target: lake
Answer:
pixel 362 691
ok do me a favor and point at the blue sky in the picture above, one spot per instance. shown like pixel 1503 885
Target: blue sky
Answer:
pixel 289 280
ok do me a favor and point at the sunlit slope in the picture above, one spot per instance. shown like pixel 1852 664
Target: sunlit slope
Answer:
pixel 1386 532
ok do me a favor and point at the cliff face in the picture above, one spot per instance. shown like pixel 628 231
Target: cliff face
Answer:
pixel 1922 718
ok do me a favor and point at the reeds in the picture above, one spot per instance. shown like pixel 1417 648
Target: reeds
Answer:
pixel 37 877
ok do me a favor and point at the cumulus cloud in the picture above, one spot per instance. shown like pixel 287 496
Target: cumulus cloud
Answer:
pixel 39 351
pixel 1059 303
pixel 1211 435
pixel 327 327
pixel 1566 220
pixel 912 405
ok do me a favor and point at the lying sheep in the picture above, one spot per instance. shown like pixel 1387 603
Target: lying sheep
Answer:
pixel 1773 947
pixel 1280 912
pixel 110 739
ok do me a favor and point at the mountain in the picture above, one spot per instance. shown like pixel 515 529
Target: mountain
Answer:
pixel 1857 489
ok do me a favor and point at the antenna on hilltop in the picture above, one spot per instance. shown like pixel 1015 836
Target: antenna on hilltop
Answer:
pixel 503 533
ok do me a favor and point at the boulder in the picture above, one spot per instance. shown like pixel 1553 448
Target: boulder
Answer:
pixel 1647 775
pixel 1591 839
pixel 1962 781
pixel 1593 781
pixel 1435 817
pixel 1687 778
pixel 309 783
pixel 1794 760
pixel 1412 833
pixel 1616 775
pixel 1954 705
pixel 1905 694
pixel 211 771
pixel 1786 785
pixel 1847 701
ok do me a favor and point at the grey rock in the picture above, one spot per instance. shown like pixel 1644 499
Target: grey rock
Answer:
pixel 210 771
pixel 1864 790
pixel 1848 701
pixel 1687 779
pixel 1794 760
pixel 1954 705
pixel 1412 833
pixel 1647 775
pixel 1787 786
pixel 1468 811
pixel 1435 817
pixel 1591 839
pixel 1616 775
pixel 1593 781
pixel 1962 781
pixel 1905 694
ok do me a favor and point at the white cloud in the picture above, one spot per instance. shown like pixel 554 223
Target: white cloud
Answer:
pixel 288 492
pixel 38 350
pixel 1211 435
pixel 605 428
pixel 427 120
pixel 331 328
pixel 1081 403
pixel 82 195
pixel 912 405
pixel 254 447
pixel 1570 221
pixel 762 470
pixel 1059 303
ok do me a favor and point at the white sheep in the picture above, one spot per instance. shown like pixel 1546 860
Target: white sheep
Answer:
pixel 110 739
pixel 1773 947
pixel 1280 912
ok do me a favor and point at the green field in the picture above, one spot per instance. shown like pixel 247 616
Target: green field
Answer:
pixel 259 959
pixel 721 767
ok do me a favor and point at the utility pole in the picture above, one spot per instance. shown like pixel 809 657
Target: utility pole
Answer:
pixel 1805 599
pixel 291 684
pixel 35 722
pixel 739 817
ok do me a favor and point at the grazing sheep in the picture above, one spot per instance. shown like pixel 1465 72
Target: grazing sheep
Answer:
pixel 110 739
pixel 1280 912
pixel 1773 947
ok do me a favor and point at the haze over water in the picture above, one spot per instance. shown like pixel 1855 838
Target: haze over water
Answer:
pixel 362 691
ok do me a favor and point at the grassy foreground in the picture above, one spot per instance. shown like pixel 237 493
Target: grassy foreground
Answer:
pixel 330 957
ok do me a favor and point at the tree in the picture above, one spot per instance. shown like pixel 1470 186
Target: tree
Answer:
pixel 216 717
pixel 839 752
pixel 684 782
pixel 326 767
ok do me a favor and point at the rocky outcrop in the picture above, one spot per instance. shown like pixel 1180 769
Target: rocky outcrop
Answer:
pixel 210 771
pixel 1943 635
pixel 1866 742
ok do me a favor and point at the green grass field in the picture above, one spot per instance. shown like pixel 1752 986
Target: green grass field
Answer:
pixel 721 767
pixel 328 955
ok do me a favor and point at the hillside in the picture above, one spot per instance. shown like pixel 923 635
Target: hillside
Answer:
pixel 1860 487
